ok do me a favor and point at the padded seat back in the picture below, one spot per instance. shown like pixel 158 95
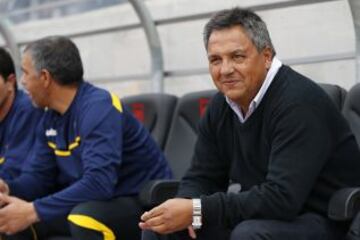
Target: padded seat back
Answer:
pixel 351 110
pixel 336 93
pixel 155 111
pixel 183 133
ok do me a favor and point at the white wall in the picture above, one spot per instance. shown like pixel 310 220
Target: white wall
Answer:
pixel 300 33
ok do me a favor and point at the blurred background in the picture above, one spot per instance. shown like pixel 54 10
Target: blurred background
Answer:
pixel 317 38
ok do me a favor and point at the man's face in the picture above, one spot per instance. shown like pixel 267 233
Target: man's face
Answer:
pixel 33 82
pixel 236 67
pixel 5 90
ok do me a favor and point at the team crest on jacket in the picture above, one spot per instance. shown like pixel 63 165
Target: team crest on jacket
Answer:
pixel 51 132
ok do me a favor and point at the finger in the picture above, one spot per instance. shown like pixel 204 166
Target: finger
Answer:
pixel 4 187
pixel 4 198
pixel 3 218
pixel 3 222
pixel 155 221
pixel 142 225
pixel 156 211
pixel 192 232
pixel 4 228
pixel 4 213
pixel 145 216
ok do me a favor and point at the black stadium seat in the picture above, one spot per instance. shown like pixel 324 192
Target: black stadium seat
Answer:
pixel 351 110
pixel 179 146
pixel 345 204
pixel 182 136
pixel 154 111
pixel 336 93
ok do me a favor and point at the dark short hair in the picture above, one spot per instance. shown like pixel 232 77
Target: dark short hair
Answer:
pixel 58 55
pixel 254 26
pixel 7 66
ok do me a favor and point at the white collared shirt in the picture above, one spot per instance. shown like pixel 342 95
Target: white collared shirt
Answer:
pixel 275 66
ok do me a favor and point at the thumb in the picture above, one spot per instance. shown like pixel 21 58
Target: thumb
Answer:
pixel 4 188
pixel 4 199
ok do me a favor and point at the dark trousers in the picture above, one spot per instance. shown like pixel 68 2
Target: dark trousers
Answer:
pixel 306 227
pixel 115 219
pixel 42 231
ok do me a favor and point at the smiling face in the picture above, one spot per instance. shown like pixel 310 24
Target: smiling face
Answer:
pixel 33 82
pixel 237 68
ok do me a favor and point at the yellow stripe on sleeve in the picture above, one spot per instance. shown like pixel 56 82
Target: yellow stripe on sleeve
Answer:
pixel 93 224
pixel 116 102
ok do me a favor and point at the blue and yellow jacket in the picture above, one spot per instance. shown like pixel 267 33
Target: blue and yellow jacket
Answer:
pixel 96 150
pixel 17 135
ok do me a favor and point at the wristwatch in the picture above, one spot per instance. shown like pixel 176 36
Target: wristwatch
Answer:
pixel 196 223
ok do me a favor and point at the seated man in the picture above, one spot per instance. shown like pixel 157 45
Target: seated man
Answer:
pixel 88 147
pixel 18 120
pixel 269 131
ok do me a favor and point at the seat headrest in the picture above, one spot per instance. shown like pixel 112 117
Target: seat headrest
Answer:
pixel 192 106
pixel 336 93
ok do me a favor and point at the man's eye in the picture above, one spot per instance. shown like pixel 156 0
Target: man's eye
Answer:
pixel 214 61
pixel 239 56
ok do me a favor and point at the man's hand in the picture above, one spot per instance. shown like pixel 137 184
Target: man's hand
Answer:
pixel 170 216
pixel 16 215
pixel 4 188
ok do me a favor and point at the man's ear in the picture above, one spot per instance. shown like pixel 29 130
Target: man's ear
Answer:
pixel 268 55
pixel 45 78
pixel 11 79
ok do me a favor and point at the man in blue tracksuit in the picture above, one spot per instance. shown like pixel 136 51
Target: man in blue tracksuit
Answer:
pixel 18 120
pixel 88 148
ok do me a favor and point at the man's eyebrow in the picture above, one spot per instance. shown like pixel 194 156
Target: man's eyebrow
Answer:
pixel 212 55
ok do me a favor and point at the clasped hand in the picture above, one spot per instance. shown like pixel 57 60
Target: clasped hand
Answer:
pixel 15 214
pixel 171 216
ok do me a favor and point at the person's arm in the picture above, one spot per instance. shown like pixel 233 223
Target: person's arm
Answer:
pixel 101 141
pixel 301 144
pixel 39 171
pixel 22 140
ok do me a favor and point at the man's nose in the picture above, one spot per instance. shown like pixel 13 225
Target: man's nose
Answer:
pixel 227 67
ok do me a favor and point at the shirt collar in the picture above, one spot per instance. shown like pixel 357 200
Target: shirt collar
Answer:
pixel 274 68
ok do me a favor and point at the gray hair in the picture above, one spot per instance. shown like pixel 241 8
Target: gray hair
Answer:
pixel 58 55
pixel 254 26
